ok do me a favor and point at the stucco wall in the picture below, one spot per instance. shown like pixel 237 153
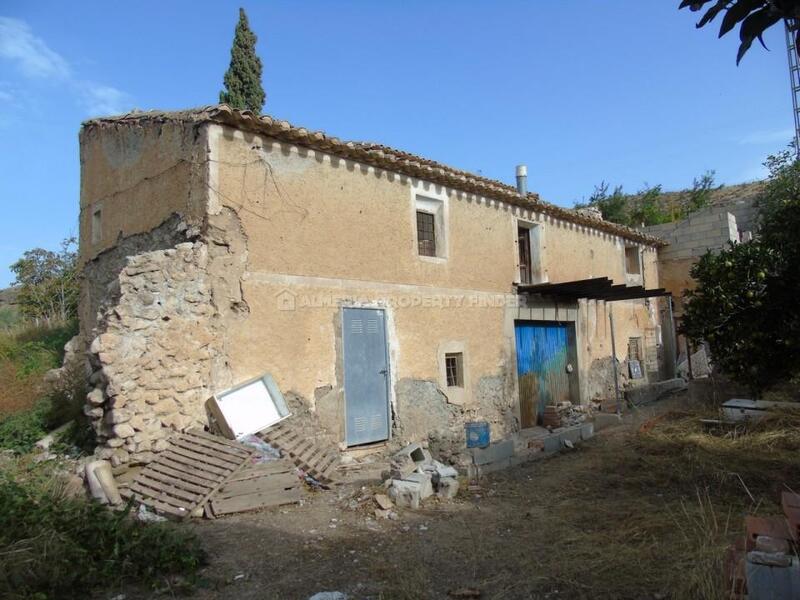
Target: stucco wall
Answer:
pixel 328 232
pixel 138 177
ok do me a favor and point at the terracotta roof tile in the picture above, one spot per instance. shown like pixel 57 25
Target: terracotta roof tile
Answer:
pixel 377 155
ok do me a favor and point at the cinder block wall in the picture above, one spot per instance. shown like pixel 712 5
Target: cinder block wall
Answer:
pixel 708 229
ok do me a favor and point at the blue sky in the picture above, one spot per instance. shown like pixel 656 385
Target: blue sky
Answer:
pixel 580 90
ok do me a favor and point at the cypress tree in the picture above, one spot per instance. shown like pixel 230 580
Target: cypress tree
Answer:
pixel 243 78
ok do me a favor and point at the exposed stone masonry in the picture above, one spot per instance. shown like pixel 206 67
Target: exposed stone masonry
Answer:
pixel 160 350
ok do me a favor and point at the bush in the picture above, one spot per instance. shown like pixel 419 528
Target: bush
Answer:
pixel 32 409
pixel 745 304
pixel 20 431
pixel 53 546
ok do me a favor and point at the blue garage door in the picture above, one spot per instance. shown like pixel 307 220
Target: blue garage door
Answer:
pixel 544 353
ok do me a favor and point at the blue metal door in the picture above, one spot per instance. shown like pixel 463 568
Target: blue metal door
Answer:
pixel 366 376
pixel 545 352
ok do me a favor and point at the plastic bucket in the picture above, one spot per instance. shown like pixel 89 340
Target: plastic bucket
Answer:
pixel 477 434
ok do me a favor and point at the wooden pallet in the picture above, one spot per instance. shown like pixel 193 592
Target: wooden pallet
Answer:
pixel 274 483
pixel 188 473
pixel 319 461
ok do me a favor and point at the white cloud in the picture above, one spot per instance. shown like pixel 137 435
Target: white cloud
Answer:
pixel 32 56
pixel 103 99
pixel 768 137
pixel 36 60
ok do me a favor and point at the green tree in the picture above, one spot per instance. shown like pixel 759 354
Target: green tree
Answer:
pixel 243 78
pixel 745 303
pixel 48 282
pixel 613 206
pixel 647 208
pixel 700 194
pixel 754 17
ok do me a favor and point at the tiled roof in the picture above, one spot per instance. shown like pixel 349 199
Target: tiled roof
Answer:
pixel 379 156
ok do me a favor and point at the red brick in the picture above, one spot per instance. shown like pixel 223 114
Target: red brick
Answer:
pixel 790 499
pixel 776 527
pixel 793 516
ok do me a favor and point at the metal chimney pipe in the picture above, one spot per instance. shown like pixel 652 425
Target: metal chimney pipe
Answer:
pixel 522 179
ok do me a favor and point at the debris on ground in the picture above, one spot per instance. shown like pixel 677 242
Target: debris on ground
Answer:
pixel 414 476
pixel 764 563
pixel 314 457
pixel 567 414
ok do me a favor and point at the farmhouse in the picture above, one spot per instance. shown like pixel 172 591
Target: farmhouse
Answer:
pixel 389 296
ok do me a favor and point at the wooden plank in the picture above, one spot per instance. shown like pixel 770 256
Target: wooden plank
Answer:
pixel 250 473
pixel 181 467
pixel 213 446
pixel 180 500
pixel 155 475
pixel 215 438
pixel 194 466
pixel 255 501
pixel 161 506
pixel 197 461
pixel 182 497
pixel 207 454
pixel 311 455
pixel 195 477
pixel 214 490
pixel 259 485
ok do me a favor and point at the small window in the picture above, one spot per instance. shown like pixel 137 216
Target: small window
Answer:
pixel 632 264
pixel 454 369
pixel 525 263
pixel 426 233
pixel 635 348
pixel 97 225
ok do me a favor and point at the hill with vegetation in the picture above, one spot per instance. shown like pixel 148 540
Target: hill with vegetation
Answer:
pixel 654 206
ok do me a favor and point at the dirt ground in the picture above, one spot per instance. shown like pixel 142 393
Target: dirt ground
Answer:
pixel 562 527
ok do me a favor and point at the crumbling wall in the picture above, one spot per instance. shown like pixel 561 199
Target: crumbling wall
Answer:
pixel 159 346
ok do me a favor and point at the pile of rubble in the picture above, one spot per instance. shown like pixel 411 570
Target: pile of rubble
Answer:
pixel 567 414
pixel 764 563
pixel 414 476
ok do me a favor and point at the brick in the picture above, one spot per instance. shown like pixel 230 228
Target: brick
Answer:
pixel 775 527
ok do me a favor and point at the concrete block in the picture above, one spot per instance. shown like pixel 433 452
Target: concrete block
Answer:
pixel 477 471
pixel 573 434
pixel 423 483
pixel 604 420
pixel 552 444
pixel 405 496
pixel 448 487
pixel 587 431
pixel 416 452
pixel 493 453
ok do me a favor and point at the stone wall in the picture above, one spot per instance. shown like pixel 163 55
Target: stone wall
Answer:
pixel 157 348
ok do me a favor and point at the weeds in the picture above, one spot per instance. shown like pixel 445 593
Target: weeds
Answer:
pixel 54 546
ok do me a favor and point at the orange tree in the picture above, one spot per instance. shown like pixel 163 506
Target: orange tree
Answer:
pixel 746 304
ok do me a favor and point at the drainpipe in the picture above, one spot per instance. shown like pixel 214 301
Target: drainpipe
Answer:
pixel 522 179
pixel 614 360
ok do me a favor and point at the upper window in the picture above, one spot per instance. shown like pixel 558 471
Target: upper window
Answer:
pixel 454 369
pixel 525 264
pixel 426 233
pixel 633 265
pixel 529 255
pixel 431 226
